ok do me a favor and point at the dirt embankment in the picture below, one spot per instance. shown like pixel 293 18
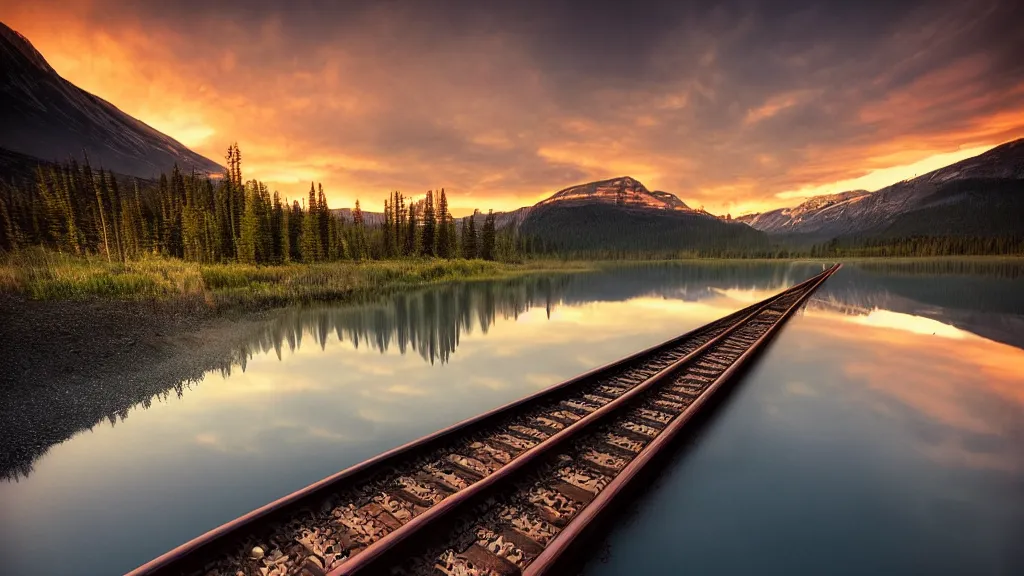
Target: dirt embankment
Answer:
pixel 68 365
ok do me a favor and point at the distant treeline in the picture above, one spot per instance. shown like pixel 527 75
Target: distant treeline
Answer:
pixel 72 207
pixel 920 245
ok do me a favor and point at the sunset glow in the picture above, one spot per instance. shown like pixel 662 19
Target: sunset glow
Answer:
pixel 502 110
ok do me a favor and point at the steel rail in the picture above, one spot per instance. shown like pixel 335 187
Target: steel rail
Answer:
pixel 547 562
pixel 192 553
pixel 367 562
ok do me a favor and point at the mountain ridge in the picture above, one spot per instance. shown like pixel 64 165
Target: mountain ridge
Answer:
pixel 861 212
pixel 49 118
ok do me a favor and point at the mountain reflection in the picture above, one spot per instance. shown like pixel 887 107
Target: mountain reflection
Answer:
pixel 983 298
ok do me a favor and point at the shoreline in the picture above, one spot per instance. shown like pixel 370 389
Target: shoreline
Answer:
pixel 227 289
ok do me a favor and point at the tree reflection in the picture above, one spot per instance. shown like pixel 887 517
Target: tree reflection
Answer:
pixel 981 298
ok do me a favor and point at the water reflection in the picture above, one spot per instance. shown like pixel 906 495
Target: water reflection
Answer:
pixel 979 297
pixel 884 419
pixel 899 355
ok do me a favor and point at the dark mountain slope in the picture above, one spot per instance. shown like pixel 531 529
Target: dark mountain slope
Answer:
pixel 976 207
pixel 604 226
pixel 47 117
pixel 915 204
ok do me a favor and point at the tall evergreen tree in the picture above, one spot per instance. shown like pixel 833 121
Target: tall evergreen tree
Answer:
pixel 323 215
pixel 487 249
pixel 472 248
pixel 285 233
pixel 412 232
pixel 278 231
pixel 464 238
pixel 296 220
pixel 387 229
pixel 100 187
pixel 429 234
pixel 444 240
pixel 312 247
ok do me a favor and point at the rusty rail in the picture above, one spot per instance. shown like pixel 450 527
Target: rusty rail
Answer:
pixel 505 550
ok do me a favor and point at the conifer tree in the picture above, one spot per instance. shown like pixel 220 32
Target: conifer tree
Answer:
pixel 411 232
pixel 114 206
pixel 311 245
pixel 464 238
pixel 487 251
pixel 296 220
pixel 359 248
pixel 472 247
pixel 285 233
pixel 387 230
pixel 278 231
pixel 323 215
pixel 429 235
pixel 100 187
pixel 444 244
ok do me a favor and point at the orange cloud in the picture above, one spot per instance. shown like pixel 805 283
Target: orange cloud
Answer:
pixel 502 114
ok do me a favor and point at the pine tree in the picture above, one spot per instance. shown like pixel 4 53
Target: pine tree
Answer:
pixel 114 207
pixel 100 186
pixel 323 215
pixel 387 231
pixel 472 247
pixel 397 218
pixel 357 214
pixel 464 238
pixel 295 224
pixel 444 240
pixel 285 233
pixel 359 248
pixel 411 232
pixel 487 251
pixel 278 231
pixel 311 245
pixel 429 234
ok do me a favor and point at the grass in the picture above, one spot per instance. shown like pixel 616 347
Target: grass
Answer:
pixel 45 275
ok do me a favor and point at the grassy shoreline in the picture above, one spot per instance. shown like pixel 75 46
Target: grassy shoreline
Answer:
pixel 50 276
pixel 42 275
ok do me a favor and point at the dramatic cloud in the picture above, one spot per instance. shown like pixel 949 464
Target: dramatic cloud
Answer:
pixel 736 105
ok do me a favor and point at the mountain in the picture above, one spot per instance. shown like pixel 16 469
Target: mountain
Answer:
pixel 49 118
pixel 369 218
pixel 811 216
pixel 983 195
pixel 622 191
pixel 620 214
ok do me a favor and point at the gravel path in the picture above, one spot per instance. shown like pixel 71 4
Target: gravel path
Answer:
pixel 68 365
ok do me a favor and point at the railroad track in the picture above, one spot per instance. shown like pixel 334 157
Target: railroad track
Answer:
pixel 504 493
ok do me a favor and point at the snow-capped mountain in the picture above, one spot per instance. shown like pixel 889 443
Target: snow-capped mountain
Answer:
pixel 45 116
pixel 622 191
pixel 860 212
pixel 811 216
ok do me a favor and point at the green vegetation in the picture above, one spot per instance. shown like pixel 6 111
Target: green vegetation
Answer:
pixel 919 246
pixel 44 274
pixel 72 209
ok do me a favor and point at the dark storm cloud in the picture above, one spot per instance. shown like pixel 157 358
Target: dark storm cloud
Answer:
pixel 721 102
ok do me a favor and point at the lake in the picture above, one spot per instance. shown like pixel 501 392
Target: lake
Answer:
pixel 881 432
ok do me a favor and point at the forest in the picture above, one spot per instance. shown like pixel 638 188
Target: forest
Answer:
pixel 76 209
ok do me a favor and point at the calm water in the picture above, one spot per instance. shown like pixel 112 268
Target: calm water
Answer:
pixel 883 432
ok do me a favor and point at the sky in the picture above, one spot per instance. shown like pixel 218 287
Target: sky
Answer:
pixel 734 105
